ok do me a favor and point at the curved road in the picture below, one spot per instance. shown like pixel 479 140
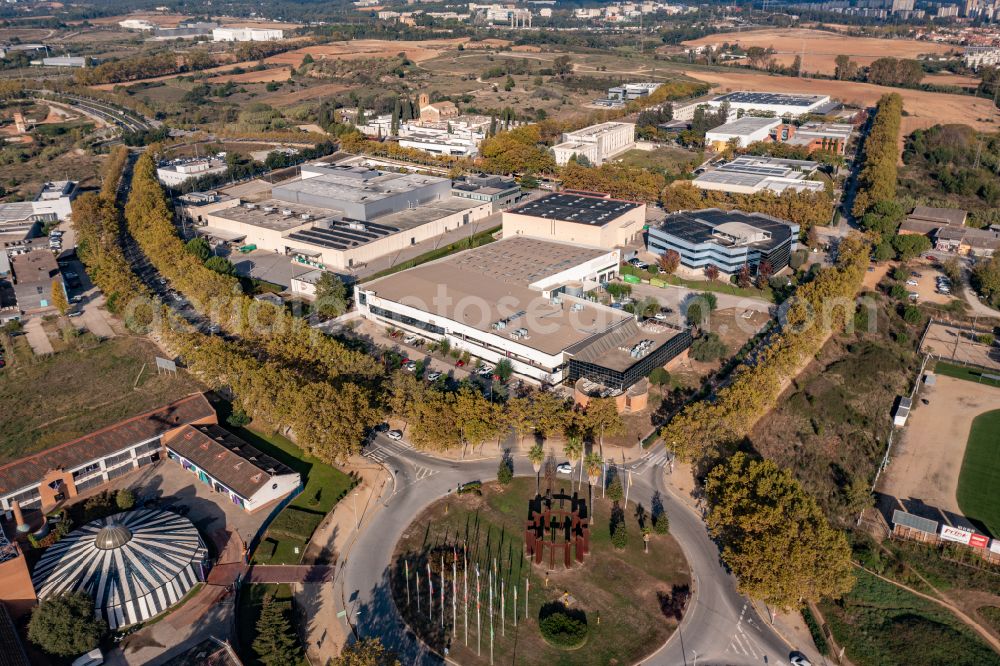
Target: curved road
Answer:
pixel 719 627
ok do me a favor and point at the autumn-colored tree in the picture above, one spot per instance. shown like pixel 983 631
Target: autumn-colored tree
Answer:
pixel 774 535
pixel 59 301
pixel 743 279
pixel 669 261
pixel 365 652
pixel 549 413
pixel 602 418
pixel 712 272
pixel 764 272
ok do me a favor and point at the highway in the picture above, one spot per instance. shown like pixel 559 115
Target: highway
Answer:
pixel 719 626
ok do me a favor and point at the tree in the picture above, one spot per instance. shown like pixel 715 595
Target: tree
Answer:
pixel 764 272
pixel 562 65
pixel 616 492
pixel 199 247
pixel 659 377
pixel 602 417
pixel 708 347
pixel 909 246
pixel 796 68
pixel 594 464
pixel 504 369
pixel 275 643
pixel 536 455
pixel 221 265
pixel 845 68
pixel 774 535
pixel 65 625
pixel 509 83
pixel 619 538
pixel 743 280
pixel 669 261
pixel 59 301
pixel 331 295
pixel 573 448
pixel 712 272
pixel 125 499
pixel 366 652
pixel 986 278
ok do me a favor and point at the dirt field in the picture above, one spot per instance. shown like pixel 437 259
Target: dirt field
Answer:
pixel 948 79
pixel 820 47
pixel 171 20
pixel 951 343
pixel 312 92
pixel 263 76
pixel 927 459
pixel 375 48
pixel 922 108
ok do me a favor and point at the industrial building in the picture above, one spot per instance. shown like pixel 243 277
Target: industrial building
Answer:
pixel 498 191
pixel 246 35
pixel 587 218
pixel 749 174
pixel 520 299
pixel 36 274
pixel 780 104
pixel 619 96
pixel 727 240
pixel 178 172
pixel 828 137
pixel 341 217
pixel 742 131
pixel 184 431
pixel 54 202
pixel 597 143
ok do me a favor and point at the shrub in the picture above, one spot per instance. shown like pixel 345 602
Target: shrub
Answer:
pixel 97 506
pixel 620 537
pixel 65 625
pixel 238 418
pixel 708 348
pixel 662 524
pixel 659 377
pixel 616 493
pixel 471 488
pixel 985 339
pixel 504 473
pixel 125 499
pixel 911 314
pixel 560 628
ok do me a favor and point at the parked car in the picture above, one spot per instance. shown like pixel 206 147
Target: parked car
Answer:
pixel 485 371
pixel 913 295
pixel 433 375
pixel 394 435
pixel 661 316
pixel 410 366
pixel 912 283
pixel 75 313
pixel 564 468
pixel 799 659
pixel 638 263
pixel 459 363
pixel 410 339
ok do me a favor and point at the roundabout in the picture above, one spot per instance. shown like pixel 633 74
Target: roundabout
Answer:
pixel 504 575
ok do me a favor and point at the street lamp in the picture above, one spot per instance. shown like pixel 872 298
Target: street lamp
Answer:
pixel 357 522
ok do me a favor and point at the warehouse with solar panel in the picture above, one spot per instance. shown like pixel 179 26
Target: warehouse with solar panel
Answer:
pixel 135 565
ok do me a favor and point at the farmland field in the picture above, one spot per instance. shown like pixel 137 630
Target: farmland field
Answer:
pixel 921 108
pixel 980 476
pixel 260 76
pixel 819 48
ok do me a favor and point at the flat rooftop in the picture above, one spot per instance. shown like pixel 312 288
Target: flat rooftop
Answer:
pixel 771 98
pixel 485 285
pixel 713 225
pixel 769 166
pixel 596 130
pixel 579 208
pixel 356 184
pixel 773 183
pixel 274 215
pixel 626 345
pixel 746 125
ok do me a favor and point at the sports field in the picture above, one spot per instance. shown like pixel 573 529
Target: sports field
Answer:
pixel 979 480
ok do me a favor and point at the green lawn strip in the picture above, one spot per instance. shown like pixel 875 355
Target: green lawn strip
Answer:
pixel 481 238
pixel 968 374
pixel 248 612
pixel 881 624
pixel 719 286
pixel 325 485
pixel 980 476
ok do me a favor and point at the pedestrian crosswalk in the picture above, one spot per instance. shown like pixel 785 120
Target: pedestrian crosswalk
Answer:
pixel 385 452
pixel 652 459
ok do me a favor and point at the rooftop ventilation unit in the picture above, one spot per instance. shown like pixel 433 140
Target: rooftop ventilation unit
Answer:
pixel 268 210
pixel 287 212
pixel 356 226
pixel 250 206
pixel 305 216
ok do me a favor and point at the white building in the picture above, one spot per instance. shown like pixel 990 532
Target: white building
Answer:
pixel 744 131
pixel 598 143
pixel 247 34
pixel 61 61
pixel 181 171
pixel 137 24
pixel 749 175
pixel 778 104
pixel 519 300
pixel 56 197
pixel 54 202
pixel 981 56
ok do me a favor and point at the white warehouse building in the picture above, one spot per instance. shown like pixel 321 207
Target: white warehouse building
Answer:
pixel 779 104
pixel 247 35
pixel 745 130
pixel 598 143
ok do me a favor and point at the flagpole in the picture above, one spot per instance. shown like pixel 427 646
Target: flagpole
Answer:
pixel 418 591
pixel 479 623
pixel 454 594
pixel 465 576
pixel 515 604
pixel 407 564
pixel 430 591
pixel 604 478
pixel 491 616
pixel 526 587
pixel 628 487
pixel 503 618
pixel 442 590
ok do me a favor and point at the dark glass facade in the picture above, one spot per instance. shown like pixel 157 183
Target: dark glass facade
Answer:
pixel 641 368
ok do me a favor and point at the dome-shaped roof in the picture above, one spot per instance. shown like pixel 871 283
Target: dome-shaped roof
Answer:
pixel 112 536
pixel 135 565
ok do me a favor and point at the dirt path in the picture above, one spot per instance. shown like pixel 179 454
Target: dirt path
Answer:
pixel 993 641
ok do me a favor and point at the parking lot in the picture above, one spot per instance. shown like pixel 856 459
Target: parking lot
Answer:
pixel 268 266
pixel 926 284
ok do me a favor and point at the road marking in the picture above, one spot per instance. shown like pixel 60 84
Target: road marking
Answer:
pixel 423 473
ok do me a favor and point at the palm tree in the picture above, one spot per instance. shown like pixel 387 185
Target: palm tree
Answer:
pixel 573 448
pixel 536 455
pixel 594 464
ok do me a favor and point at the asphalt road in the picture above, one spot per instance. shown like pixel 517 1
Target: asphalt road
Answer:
pixel 719 627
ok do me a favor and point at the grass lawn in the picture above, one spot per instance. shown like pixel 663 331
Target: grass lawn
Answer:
pixel 49 400
pixel 968 374
pixel 977 483
pixel 248 612
pixel 668 159
pixel 720 286
pixel 883 625
pixel 625 595
pixel 325 485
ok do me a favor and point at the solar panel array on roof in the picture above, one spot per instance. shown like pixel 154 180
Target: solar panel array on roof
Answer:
pixel 756 169
pixel 344 234
pixel 785 99
pixel 576 208
pixel 914 522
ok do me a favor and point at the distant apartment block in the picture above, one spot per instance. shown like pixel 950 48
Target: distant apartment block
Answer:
pixel 179 172
pixel 981 56
pixel 598 143
pixel 247 35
